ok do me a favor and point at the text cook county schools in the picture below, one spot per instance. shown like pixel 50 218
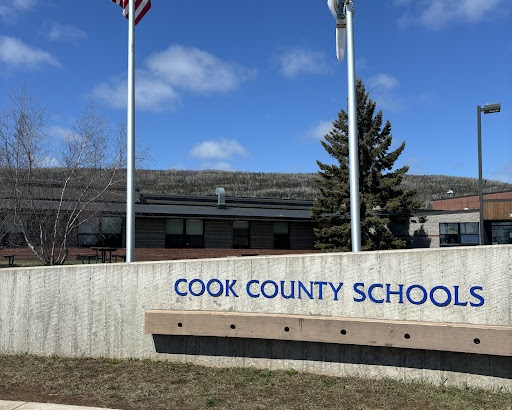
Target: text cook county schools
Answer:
pixel 360 292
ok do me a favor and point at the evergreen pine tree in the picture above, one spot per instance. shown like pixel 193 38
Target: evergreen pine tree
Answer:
pixel 382 200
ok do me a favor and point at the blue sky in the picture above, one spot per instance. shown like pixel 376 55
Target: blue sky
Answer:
pixel 254 86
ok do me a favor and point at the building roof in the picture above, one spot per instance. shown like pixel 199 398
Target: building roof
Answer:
pixel 210 206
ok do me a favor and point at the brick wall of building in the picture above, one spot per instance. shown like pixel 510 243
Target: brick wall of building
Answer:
pixel 467 202
pixel 157 254
pixel 150 233
pixel 218 234
pixel 302 236
pixel 262 235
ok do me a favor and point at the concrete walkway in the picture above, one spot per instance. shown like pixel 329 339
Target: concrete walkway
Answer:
pixel 22 405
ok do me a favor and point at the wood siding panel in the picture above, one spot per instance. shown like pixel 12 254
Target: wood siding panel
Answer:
pixel 498 211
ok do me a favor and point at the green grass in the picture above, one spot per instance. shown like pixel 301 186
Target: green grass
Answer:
pixel 144 384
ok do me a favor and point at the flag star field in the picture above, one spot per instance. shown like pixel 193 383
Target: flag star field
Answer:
pixel 254 86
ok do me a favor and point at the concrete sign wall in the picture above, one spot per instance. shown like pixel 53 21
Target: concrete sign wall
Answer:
pixel 98 310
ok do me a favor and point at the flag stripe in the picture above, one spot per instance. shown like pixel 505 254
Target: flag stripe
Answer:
pixel 141 8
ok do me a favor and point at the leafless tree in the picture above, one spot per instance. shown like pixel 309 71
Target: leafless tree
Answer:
pixel 88 164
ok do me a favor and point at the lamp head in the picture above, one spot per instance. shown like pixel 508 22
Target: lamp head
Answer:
pixel 491 108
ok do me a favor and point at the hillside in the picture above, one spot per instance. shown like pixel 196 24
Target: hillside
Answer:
pixel 293 186
pixel 257 184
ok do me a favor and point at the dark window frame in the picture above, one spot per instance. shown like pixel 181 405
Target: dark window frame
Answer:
pixel 101 236
pixel 184 239
pixel 458 234
pixel 241 236
pixel 281 239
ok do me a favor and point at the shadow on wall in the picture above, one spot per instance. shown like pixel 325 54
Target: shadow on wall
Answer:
pixel 420 238
pixel 485 365
pixel 401 228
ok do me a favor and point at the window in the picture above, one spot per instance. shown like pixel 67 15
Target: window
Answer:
pixel 184 233
pixel 103 231
pixel 241 234
pixel 501 233
pixel 456 234
pixel 111 231
pixel 281 235
pixel 89 232
pixel 11 231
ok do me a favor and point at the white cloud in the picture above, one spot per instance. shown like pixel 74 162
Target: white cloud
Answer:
pixel 383 82
pixel 150 94
pixel 504 174
pixel 415 165
pixel 218 149
pixel 17 54
pixel 295 62
pixel 320 129
pixel 58 132
pixel 382 86
pixel 48 162
pixel 397 3
pixel 10 10
pixel 23 4
pixel 64 32
pixel 195 70
pixel 171 73
pixel 436 14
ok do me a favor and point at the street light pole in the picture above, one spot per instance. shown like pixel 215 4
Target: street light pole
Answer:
pixel 480 179
pixel 487 109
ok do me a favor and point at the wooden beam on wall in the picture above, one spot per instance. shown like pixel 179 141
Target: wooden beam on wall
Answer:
pixel 451 337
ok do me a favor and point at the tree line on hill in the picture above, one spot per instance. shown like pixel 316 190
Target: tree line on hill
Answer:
pixel 266 184
pixel 294 185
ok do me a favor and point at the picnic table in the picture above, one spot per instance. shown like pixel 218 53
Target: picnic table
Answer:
pixel 10 259
pixel 103 250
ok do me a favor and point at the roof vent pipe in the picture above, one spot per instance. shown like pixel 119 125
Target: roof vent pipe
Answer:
pixel 221 201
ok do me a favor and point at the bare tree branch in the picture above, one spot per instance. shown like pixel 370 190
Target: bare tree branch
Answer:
pixel 91 170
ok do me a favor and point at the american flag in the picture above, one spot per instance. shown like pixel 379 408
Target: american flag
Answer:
pixel 141 8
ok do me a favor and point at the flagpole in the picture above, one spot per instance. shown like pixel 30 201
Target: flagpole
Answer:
pixel 130 146
pixel 353 148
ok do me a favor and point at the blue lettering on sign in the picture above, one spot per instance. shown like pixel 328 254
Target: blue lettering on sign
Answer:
pixel 336 289
pixel 176 287
pixel 197 287
pixel 360 292
pixel 270 289
pixel 370 293
pixel 456 298
pixel 480 298
pixel 399 292
pixel 421 289
pixel 229 287
pixel 448 296
pixel 291 294
pixel 378 293
pixel 274 290
pixel 302 288
pixel 440 296
pixel 248 288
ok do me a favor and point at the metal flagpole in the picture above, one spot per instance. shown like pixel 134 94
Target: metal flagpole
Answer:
pixel 355 217
pixel 130 146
